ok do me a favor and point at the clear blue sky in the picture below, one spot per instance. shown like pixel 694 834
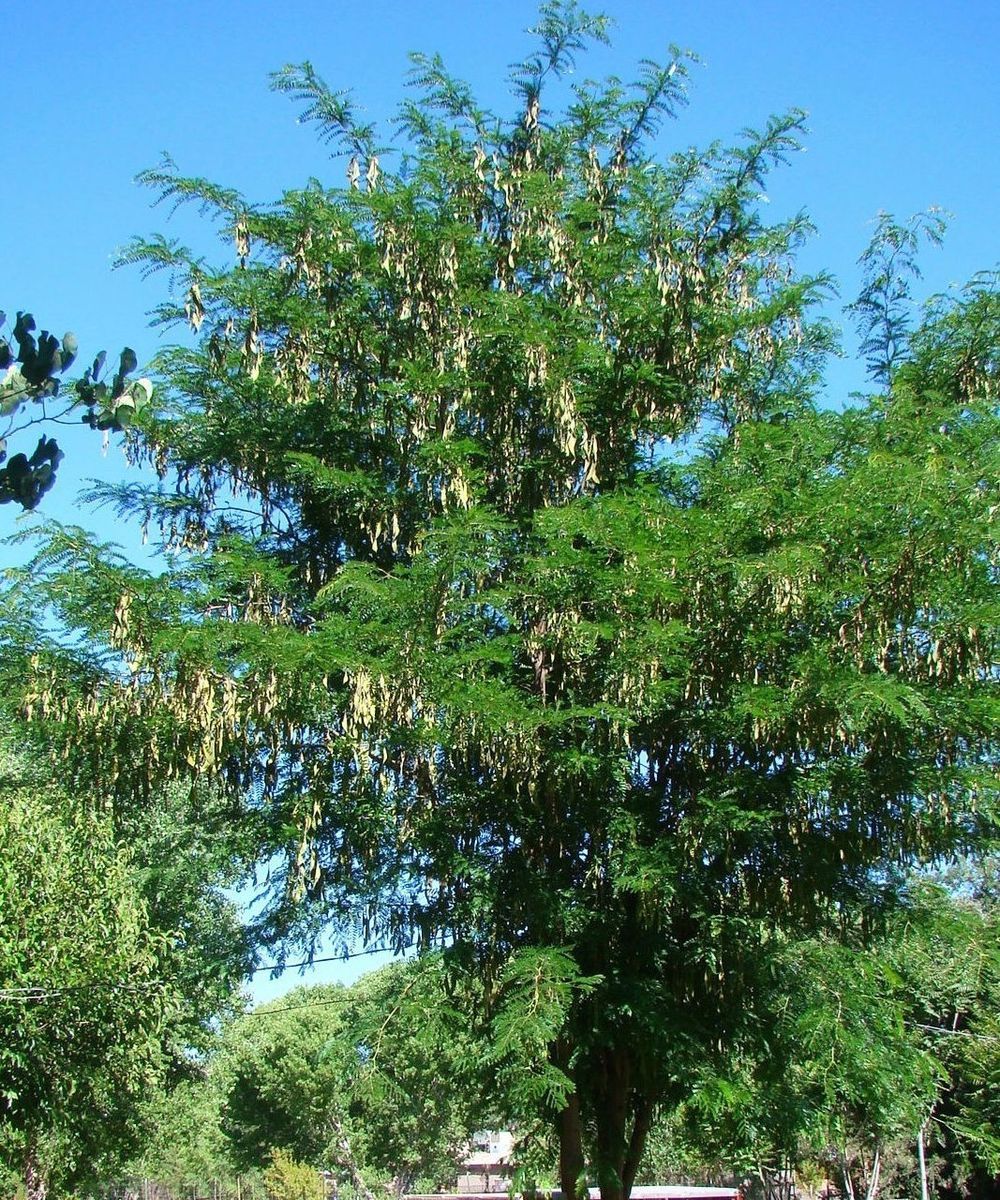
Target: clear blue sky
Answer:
pixel 904 103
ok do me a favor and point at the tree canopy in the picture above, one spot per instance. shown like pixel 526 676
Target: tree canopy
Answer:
pixel 526 598
pixel 876 1062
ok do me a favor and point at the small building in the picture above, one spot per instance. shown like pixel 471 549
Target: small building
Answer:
pixel 486 1169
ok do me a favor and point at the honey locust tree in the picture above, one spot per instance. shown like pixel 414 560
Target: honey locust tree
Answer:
pixel 525 597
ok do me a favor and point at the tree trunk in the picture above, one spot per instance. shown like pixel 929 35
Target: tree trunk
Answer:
pixel 875 1175
pixel 848 1182
pixel 619 1147
pixel 637 1142
pixel 572 1169
pixel 922 1159
pixel 611 1118
pixel 347 1158
pixel 36 1185
pixel 622 1118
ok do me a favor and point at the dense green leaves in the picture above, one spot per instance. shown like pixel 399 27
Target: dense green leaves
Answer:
pixel 377 1081
pixel 852 1049
pixel 83 1002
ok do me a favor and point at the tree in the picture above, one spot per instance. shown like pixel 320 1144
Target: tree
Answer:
pixel 837 1080
pixel 377 1081
pixel 185 1150
pixel 947 958
pixel 276 1085
pixel 119 949
pixel 183 867
pixel 118 954
pixel 31 378
pixel 531 602
pixel 82 1001
pixel 877 1065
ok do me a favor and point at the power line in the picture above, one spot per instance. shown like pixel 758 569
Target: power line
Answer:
pixel 35 992
pixel 267 1012
pixel 30 993
pixel 967 1033
pixel 308 962
pixel 273 1012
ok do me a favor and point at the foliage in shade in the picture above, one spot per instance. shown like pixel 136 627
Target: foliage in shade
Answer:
pixel 867 1046
pixel 525 599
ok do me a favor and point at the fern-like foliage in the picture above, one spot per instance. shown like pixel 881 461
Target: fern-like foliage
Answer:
pixel 883 310
pixel 333 112
pixel 564 29
pixel 210 198
pixel 659 92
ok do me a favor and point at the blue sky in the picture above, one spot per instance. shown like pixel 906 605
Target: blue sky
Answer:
pixel 904 103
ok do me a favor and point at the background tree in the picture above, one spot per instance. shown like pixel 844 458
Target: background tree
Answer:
pixel 531 601
pixel 377 1082
pixel 119 950
pixel 876 1056
pixel 947 957
pixel 82 999
pixel 276 1086
pixel 185 867
pixel 185 1150
pixel 827 1080
pixel 30 395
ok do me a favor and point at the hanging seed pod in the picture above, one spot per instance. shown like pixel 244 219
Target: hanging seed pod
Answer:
pixel 241 236
pixel 194 308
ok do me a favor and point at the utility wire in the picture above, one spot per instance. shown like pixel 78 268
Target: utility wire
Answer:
pixel 308 962
pixel 273 1012
pixel 29 994
pixel 34 992
pixel 37 992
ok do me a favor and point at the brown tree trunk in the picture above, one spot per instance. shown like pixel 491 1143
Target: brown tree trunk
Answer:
pixel 36 1184
pixel 641 1122
pixel 572 1169
pixel 623 1116
pixel 612 1104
